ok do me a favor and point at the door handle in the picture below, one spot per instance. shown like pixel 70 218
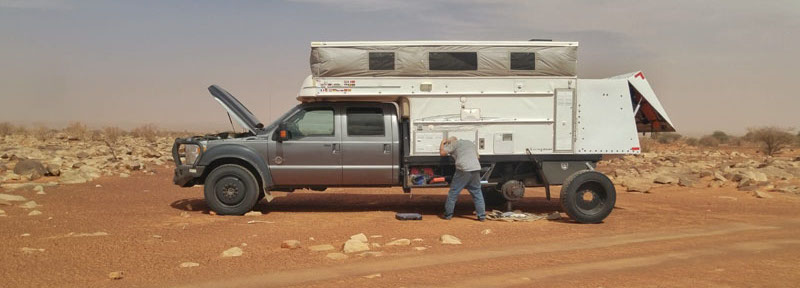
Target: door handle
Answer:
pixel 387 148
pixel 335 148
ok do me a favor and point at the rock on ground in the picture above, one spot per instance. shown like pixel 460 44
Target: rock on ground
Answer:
pixel 486 231
pixel 35 213
pixel 637 187
pixel 323 247
pixel 116 275
pixel 399 242
pixel 354 245
pixel 189 264
pixel 9 197
pixel 665 179
pixel 449 239
pixel 29 205
pixel 28 250
pixel 360 237
pixel 370 276
pixel 290 244
pixel 554 216
pixel 28 166
pixel 420 248
pixel 2 213
pixel 233 252
pixel 253 213
pixel 336 256
pixel 761 194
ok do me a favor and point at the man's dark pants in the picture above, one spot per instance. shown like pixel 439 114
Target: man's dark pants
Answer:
pixel 472 181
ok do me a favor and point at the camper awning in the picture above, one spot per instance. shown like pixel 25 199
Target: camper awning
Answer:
pixel 650 115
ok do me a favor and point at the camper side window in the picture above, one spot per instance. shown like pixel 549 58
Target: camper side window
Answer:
pixel 381 60
pixel 453 61
pixel 523 61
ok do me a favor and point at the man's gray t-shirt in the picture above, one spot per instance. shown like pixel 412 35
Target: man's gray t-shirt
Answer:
pixel 463 151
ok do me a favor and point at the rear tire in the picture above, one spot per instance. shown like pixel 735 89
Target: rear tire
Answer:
pixel 231 190
pixel 588 196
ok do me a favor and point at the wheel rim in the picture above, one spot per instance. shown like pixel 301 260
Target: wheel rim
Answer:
pixel 591 197
pixel 230 190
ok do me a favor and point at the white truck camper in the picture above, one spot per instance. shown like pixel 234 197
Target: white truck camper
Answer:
pixel 534 123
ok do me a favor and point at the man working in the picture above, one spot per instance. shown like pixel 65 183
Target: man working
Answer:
pixel 468 174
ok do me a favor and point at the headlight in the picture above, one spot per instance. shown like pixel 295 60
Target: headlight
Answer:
pixel 192 152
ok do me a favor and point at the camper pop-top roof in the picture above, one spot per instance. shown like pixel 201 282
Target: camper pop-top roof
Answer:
pixel 444 58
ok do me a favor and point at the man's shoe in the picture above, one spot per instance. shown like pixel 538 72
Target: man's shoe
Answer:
pixel 482 219
pixel 445 217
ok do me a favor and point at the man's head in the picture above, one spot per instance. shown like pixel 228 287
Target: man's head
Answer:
pixel 452 139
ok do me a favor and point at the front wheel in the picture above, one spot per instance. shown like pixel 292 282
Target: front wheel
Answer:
pixel 588 196
pixel 231 190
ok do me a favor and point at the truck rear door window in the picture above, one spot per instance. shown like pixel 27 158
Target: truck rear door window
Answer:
pixel 523 61
pixel 452 61
pixel 312 122
pixel 381 60
pixel 365 121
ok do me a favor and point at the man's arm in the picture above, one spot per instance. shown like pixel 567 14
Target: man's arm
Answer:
pixel 442 151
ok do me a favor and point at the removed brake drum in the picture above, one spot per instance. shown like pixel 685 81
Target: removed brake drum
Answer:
pixel 513 190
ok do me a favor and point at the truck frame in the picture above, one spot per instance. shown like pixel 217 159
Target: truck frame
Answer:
pixel 374 113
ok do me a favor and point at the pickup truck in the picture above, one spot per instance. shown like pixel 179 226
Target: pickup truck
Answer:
pixel 323 144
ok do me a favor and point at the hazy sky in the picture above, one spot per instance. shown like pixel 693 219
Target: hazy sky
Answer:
pixel 723 65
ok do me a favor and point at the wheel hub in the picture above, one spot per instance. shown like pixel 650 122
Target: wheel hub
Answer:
pixel 230 190
pixel 513 190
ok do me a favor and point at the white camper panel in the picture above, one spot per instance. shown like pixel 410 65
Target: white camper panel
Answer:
pixel 499 125
pixel 604 118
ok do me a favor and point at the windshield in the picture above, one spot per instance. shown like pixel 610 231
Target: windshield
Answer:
pixel 278 120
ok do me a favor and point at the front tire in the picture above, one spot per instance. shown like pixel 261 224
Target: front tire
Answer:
pixel 588 196
pixel 231 190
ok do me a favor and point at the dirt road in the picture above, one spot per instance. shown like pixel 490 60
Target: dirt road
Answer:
pixel 146 227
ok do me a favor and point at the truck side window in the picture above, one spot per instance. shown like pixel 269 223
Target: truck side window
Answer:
pixel 311 122
pixel 365 121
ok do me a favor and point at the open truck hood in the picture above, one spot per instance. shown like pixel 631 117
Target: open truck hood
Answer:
pixel 244 117
pixel 650 116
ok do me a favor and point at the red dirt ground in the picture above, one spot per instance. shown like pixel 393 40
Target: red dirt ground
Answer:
pixel 672 237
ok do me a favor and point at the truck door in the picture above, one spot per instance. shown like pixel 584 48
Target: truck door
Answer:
pixel 312 155
pixel 367 144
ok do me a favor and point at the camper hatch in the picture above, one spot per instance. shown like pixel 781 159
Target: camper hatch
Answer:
pixel 374 114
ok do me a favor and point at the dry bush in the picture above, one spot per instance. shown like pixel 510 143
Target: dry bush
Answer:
pixel 77 130
pixel 148 131
pixel 708 141
pixel 772 139
pixel 42 133
pixel 691 141
pixel 6 129
pixel 667 138
pixel 112 134
pixel 721 136
pixel 646 144
pixel 96 135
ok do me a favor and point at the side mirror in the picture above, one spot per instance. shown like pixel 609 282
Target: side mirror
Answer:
pixel 282 134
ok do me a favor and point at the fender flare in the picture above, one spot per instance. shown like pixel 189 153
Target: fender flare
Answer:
pixel 240 152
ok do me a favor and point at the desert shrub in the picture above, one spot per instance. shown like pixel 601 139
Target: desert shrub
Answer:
pixel 666 138
pixel 6 129
pixel 772 139
pixel 646 144
pixel 112 134
pixel 708 141
pixel 96 135
pixel 148 132
pixel 691 141
pixel 77 130
pixel 42 133
pixel 721 136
